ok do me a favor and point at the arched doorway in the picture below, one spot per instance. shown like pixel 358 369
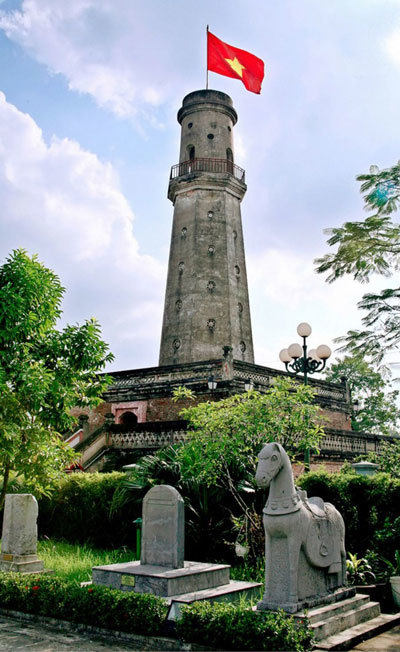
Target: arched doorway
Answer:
pixel 128 419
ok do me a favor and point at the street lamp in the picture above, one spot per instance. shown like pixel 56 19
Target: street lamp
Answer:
pixel 248 384
pixel 297 360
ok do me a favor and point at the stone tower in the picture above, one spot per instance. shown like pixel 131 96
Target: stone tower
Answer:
pixel 206 300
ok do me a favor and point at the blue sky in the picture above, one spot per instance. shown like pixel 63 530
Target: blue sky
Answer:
pixel 88 132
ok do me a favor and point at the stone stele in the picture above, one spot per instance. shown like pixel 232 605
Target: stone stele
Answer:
pixel 19 536
pixel 163 533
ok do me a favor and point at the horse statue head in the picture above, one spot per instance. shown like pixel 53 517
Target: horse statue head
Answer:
pixel 270 461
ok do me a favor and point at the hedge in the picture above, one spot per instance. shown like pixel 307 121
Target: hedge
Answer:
pixel 85 508
pixel 370 507
pixel 90 605
pixel 230 627
pixel 89 508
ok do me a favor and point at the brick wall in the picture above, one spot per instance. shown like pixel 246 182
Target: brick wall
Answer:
pixel 163 409
pixel 318 465
pixel 337 420
pixel 96 415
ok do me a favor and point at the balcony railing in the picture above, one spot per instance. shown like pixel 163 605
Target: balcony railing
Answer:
pixel 208 165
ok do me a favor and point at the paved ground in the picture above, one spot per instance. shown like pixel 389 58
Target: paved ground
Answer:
pixel 386 642
pixel 18 635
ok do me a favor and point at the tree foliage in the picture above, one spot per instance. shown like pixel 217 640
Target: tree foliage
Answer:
pixel 44 372
pixel 367 247
pixel 371 388
pixel 226 436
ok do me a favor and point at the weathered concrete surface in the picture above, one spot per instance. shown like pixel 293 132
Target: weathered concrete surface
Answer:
pixel 19 631
pixel 163 529
pixel 146 578
pixel 19 535
pixel 386 642
pixel 206 301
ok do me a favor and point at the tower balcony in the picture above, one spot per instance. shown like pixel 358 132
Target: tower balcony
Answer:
pixel 213 165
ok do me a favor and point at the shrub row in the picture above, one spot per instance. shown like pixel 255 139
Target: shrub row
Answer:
pixel 91 605
pixel 86 508
pixel 92 508
pixel 369 506
pixel 231 627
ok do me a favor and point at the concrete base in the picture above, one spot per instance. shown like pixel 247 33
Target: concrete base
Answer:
pixel 334 618
pixel 349 638
pixel 342 625
pixel 308 603
pixel 159 580
pixel 196 581
pixel 21 563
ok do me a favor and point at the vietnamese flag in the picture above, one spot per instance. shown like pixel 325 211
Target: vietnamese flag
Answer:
pixel 232 62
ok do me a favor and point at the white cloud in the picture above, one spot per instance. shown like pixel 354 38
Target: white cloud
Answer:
pixel 63 203
pixel 94 46
pixel 285 290
pixel 391 46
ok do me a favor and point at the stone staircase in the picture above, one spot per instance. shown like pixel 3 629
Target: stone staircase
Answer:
pixel 342 625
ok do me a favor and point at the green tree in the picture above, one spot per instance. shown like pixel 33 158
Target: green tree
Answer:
pixel 372 390
pixel 44 372
pixel 225 436
pixel 371 246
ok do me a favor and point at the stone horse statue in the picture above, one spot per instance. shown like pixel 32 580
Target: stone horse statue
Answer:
pixel 304 540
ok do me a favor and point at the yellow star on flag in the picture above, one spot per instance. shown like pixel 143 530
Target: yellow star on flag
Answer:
pixel 236 66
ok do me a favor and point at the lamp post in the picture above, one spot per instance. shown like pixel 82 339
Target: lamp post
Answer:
pixel 297 359
pixel 212 383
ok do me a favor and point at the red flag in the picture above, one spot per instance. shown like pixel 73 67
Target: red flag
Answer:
pixel 232 62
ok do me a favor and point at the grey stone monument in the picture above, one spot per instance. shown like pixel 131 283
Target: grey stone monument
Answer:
pixel 304 541
pixel 162 570
pixel 163 531
pixel 19 536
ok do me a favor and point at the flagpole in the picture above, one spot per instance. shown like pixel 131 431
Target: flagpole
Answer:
pixel 207 60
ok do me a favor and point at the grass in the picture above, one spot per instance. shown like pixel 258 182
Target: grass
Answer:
pixel 74 562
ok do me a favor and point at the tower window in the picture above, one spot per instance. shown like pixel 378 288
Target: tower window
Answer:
pixel 181 267
pixel 210 215
pixel 242 346
pixel 234 235
pixel 211 250
pixel 229 129
pixel 211 286
pixel 178 304
pixel 240 308
pixel 211 324
pixel 237 270
pixel 229 156
pixel 190 152
pixel 176 344
pixel 184 232
pixel 210 136
pixel 190 125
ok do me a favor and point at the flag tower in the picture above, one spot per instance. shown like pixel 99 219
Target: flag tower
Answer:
pixel 206 301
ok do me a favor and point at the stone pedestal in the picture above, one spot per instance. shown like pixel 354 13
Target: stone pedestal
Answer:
pixel 162 570
pixel 19 535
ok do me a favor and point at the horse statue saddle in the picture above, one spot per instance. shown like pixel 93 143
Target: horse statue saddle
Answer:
pixel 322 546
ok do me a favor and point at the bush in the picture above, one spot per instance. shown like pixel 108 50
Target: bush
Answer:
pixel 94 605
pixel 231 627
pixel 369 506
pixel 85 509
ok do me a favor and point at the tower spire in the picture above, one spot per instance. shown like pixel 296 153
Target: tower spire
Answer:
pixel 206 302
